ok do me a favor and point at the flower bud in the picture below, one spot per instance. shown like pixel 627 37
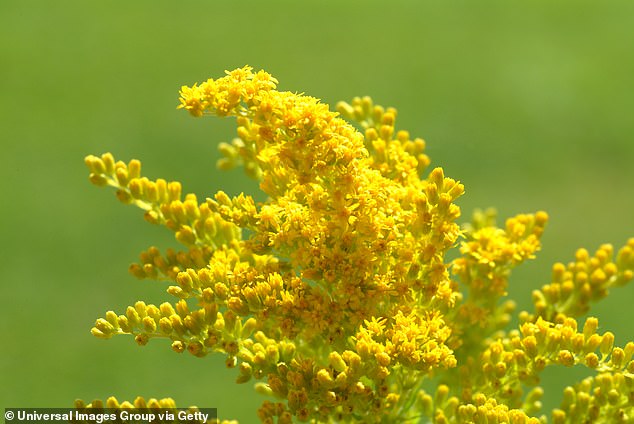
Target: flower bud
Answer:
pixel 337 362
pixel 607 343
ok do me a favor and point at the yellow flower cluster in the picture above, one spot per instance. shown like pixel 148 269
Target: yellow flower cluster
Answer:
pixel 602 398
pixel 489 254
pixel 518 359
pixel 145 409
pixel 336 294
pixel 585 280
pixel 138 403
pixel 444 409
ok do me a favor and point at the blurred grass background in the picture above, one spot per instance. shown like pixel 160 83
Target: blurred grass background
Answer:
pixel 529 104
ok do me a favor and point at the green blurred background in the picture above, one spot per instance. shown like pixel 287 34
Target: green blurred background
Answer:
pixel 529 104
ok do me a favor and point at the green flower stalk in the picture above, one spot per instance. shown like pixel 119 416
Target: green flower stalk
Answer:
pixel 336 296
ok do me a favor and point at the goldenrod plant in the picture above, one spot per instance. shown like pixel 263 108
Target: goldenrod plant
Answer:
pixel 336 296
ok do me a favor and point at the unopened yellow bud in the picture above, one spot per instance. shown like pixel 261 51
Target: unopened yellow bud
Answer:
pixel 389 117
pixel 541 218
pixel 98 180
pixel 559 416
pixel 263 389
pixel 99 334
pixel 287 350
pixel 191 209
pixel 371 134
pixel 95 164
pixel 442 392
pixel 590 327
pixel 613 397
pixel 174 190
pixel 593 342
pixel 426 403
pixel 149 325
pixel 165 325
pixel 383 358
pixel 177 324
pixel 186 235
pixel 324 378
pixel 341 380
pixel 97 403
pixel 530 345
pixel 185 280
pixel 122 177
pixel 239 306
pixel 337 362
pixel 345 109
pixel 136 188
pixel 134 169
pixel 152 217
pixel 566 358
pixel 582 255
pixel 386 132
pixel 112 318
pixel 592 360
pixel 272 354
pixel 223 199
pixel 151 191
pixel 618 357
pixel 607 343
pixel 124 197
pixel 248 327
pixel 166 309
pixel 133 316
pixel 112 403
pixel 124 324
pixel 225 164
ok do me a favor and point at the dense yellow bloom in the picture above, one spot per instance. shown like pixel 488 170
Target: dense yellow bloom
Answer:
pixel 336 294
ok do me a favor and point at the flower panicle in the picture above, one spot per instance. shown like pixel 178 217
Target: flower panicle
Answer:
pixel 336 296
